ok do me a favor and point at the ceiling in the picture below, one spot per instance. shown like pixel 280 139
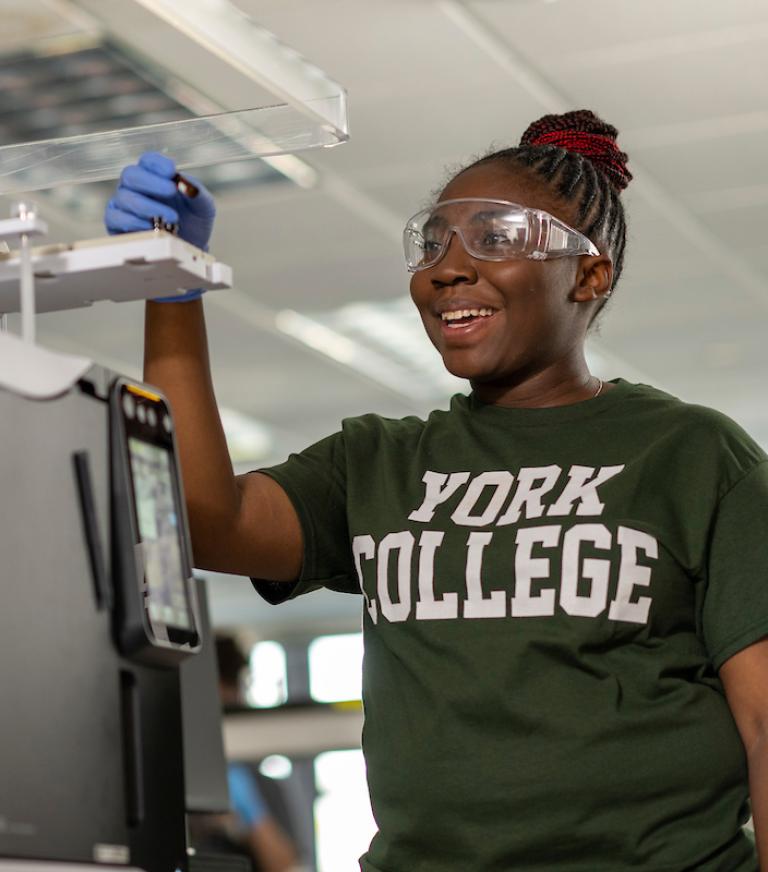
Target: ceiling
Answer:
pixel 432 83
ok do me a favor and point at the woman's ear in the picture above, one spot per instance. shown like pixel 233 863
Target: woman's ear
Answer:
pixel 594 277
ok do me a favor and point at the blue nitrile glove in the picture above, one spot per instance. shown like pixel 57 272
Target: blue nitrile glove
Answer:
pixel 146 191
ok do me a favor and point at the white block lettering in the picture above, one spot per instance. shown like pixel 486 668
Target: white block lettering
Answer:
pixel 440 487
pixel 501 481
pixel 578 488
pixel 476 605
pixel 427 606
pixel 364 546
pixel 527 568
pixel 402 543
pixel 631 574
pixel 529 496
pixel 597 571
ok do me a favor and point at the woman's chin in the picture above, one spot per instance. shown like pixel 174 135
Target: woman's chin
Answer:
pixel 464 368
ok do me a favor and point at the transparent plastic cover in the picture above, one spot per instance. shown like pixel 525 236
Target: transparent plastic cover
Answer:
pixel 193 142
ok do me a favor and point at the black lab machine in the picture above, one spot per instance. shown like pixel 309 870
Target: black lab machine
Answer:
pixel 99 610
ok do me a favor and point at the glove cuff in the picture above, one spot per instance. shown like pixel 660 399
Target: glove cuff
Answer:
pixel 181 298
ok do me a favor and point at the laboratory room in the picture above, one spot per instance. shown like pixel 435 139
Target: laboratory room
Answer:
pixel 384 426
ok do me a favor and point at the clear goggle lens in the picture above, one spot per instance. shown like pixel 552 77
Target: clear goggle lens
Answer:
pixel 489 230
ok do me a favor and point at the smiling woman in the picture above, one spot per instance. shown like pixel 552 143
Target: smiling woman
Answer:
pixel 567 170
pixel 610 536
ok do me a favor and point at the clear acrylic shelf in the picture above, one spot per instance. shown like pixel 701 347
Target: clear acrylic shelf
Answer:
pixel 193 142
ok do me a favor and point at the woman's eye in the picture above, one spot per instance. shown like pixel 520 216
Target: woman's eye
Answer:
pixel 431 245
pixel 494 238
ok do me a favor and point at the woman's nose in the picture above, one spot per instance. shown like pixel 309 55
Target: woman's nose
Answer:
pixel 456 263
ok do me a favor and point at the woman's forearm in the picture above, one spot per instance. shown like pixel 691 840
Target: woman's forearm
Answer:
pixel 757 759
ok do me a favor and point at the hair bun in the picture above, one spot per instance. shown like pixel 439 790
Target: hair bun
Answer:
pixel 583 132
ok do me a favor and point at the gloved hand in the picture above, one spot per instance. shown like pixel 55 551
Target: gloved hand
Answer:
pixel 146 191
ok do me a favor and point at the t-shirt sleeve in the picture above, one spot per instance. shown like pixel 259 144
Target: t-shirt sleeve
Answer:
pixel 247 803
pixel 316 483
pixel 735 607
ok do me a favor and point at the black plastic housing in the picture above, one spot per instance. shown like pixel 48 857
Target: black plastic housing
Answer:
pixel 141 636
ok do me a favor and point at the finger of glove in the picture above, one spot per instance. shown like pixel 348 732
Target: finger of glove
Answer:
pixel 158 163
pixel 118 221
pixel 203 205
pixel 145 182
pixel 144 207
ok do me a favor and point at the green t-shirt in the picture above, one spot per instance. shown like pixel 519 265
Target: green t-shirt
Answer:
pixel 548 595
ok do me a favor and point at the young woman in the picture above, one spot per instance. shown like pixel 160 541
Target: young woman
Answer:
pixel 565 599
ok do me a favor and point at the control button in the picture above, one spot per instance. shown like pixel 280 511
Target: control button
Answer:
pixel 129 406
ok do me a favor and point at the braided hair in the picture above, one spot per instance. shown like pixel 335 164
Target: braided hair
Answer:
pixel 577 156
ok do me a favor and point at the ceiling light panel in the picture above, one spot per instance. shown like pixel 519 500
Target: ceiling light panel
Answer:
pixel 75 93
pixel 27 21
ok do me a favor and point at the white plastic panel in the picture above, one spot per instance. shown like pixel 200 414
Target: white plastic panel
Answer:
pixel 132 266
pixel 35 372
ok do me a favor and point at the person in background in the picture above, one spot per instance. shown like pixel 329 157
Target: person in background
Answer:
pixel 250 827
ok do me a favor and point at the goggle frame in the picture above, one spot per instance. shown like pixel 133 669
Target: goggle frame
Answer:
pixel 548 231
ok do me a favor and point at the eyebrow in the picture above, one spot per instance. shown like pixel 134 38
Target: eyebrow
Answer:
pixel 435 221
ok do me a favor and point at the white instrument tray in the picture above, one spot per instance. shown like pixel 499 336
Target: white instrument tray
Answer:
pixel 130 266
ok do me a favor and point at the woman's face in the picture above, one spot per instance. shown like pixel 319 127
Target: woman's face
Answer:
pixel 535 319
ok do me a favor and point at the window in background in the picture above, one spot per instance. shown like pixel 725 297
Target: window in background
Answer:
pixel 268 685
pixel 336 668
pixel 344 823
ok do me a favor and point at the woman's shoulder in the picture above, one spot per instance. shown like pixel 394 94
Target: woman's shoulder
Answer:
pixel 695 413
pixel 700 426
pixel 374 425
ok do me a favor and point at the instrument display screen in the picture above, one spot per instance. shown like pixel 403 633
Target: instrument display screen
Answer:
pixel 161 543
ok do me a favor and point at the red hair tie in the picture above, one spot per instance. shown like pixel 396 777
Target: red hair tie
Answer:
pixel 595 146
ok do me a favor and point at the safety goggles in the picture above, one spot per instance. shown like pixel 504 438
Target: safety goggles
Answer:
pixel 489 230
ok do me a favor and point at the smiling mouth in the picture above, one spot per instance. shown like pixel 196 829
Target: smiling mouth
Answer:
pixel 464 317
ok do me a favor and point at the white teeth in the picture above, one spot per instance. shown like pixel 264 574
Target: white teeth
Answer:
pixel 466 313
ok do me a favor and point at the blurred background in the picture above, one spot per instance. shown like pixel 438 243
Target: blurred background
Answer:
pixel 320 326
